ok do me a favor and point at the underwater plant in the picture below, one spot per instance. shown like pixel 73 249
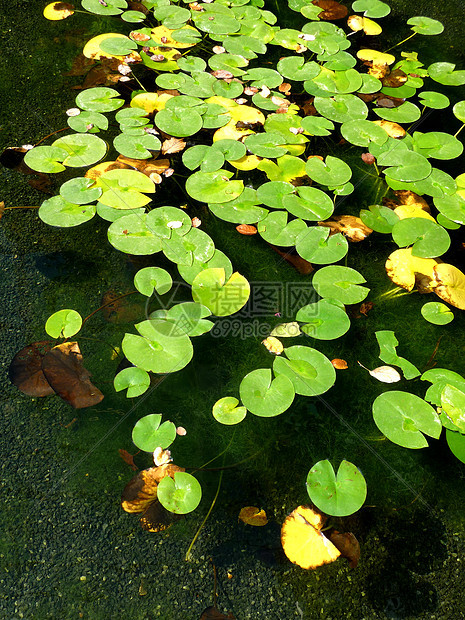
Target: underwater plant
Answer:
pixel 279 151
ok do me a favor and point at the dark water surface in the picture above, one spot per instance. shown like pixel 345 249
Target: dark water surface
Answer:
pixel 67 550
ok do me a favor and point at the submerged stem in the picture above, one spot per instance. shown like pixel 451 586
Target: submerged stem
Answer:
pixel 400 43
pixel 107 304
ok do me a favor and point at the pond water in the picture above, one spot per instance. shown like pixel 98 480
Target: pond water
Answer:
pixel 67 549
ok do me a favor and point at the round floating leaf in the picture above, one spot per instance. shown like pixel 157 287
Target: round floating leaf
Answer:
pixel 180 123
pixel 82 149
pixel 343 82
pixel 122 189
pixel 317 125
pixel 181 495
pixel 221 297
pixel 404 417
pixel 226 411
pixel 275 229
pixel 437 313
pixel 311 204
pixel 80 191
pixel 263 77
pixel 99 99
pixel 46 158
pixel 406 165
pixel 295 68
pixel 136 146
pixel 218 261
pixel 133 17
pixel 216 23
pixel 341 283
pixel 379 218
pixel 149 434
pixel 324 320
pixel 264 396
pixel 213 186
pixel 432 99
pixel 428 238
pixel 150 279
pixel 361 133
pixel 272 193
pixel 405 113
pixel 168 221
pixel 310 371
pixel 440 377
pixel 317 246
pixel 228 62
pixel 443 72
pixel 136 380
pixel 230 90
pixel 63 324
pixel 188 316
pixel 88 122
pixel 118 46
pixel 341 108
pixel 171 16
pixel 456 443
pixel 453 406
pixel 241 210
pixel 130 234
pixel 437 144
pixel 265 144
pixel 245 46
pixel 459 111
pixel 109 7
pixel 337 495
pixel 452 207
pixel 425 25
pixel 196 245
pixel 162 347
pixel 333 171
pixel 57 211
pixel 371 8
pixel 446 223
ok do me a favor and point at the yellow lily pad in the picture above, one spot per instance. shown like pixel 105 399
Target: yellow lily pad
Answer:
pixel 248 162
pixel 251 515
pixel 56 11
pixel 377 58
pixel 406 270
pixel 163 34
pixel 150 101
pixel 413 210
pixel 92 47
pixel 449 284
pixel 392 129
pixel 369 27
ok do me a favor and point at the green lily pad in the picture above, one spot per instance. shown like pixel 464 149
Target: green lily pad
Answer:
pixel 405 113
pixel 265 144
pixel 341 108
pixel 311 204
pixel 405 165
pixel 444 73
pixel 264 396
pixel 342 82
pixel 456 443
pixel 452 207
pixel 46 158
pixel 459 111
pixel 135 380
pixel 362 133
pixel 82 149
pixel 387 353
pixel 340 495
pixel 228 62
pixel 379 218
pixel 429 240
pixel 133 17
pixel 180 123
pixel 275 229
pixel 161 347
pixel 437 313
pixel 341 283
pixel 118 46
pixel 371 8
pixel 181 495
pixel 341 61
pixel 262 76
pixel 168 221
pixel 440 377
pixel 446 222
pixel 216 115
pixel 287 168
pixel 214 22
pixel 196 245
pixel 425 25
pixel 222 297
pixel 130 234
pixel 122 189
pixel 148 434
pixel 59 212
pixel 432 99
pixel 99 99
pixel 219 260
pixel 272 193
pixel 324 320
pixel 88 122
pixel 453 405
pixel 229 90
pixel 438 184
pixel 241 210
pixel 213 186
pixel 370 84
pixel 171 16
pixel 80 191
pixel 226 411
pixel 310 371
pixel 63 324
pixel 245 46
pixel 150 279
pixel 286 330
pixel 109 7
pixel 317 246
pixel 188 316
pixel 332 171
pixel 437 145
pixel 295 68
pixel 136 146
pixel 405 419
pixel 317 125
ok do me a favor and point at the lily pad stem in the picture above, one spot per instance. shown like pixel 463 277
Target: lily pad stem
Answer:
pixel 107 304
pixel 400 43
pixel 456 134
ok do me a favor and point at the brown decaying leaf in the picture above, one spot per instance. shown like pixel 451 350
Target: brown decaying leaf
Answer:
pixel 156 518
pixel 146 166
pixel 120 310
pixel 173 145
pixel 350 226
pixel 128 459
pixel 377 70
pixel 26 372
pixel 141 491
pixel 212 613
pixel 348 545
pixel 63 369
pixel 246 229
pixel 299 263
pixel 368 158
pixel 366 307
pixel 81 65
pixel 395 78
pixel 389 102
pixel 406 197
pixel 392 129
pixel 339 364
pixel 251 515
pixel 138 6
pixel 332 10
pixel 2 208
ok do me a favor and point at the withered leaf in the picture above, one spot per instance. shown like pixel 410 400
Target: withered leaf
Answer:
pixel 366 307
pixel 332 10
pixel 141 491
pixel 2 208
pixel 119 309
pixel 81 65
pixel 173 145
pixel 63 369
pixel 339 364
pixel 299 263
pixel 246 229
pixel 368 158
pixel 156 518
pixel 128 459
pixel 212 613
pixel 395 78
pixel 26 372
pixel 348 545
pixel 350 226
pixel 251 515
